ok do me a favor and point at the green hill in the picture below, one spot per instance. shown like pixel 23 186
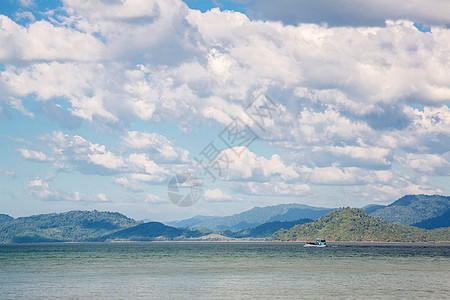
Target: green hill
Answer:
pixel 352 224
pixel 150 231
pixel 265 230
pixel 436 222
pixel 412 209
pixel 5 218
pixel 69 226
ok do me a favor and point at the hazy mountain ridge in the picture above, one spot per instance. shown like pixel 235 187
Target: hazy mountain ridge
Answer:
pixel 260 215
pixel 368 209
pixel 190 222
pixel 265 230
pixel 353 224
pixel 412 209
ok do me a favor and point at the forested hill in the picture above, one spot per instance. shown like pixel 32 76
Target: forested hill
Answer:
pixel 352 224
pixel 5 218
pixel 412 209
pixel 69 226
pixel 149 232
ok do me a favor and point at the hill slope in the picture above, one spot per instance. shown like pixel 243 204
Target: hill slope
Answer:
pixel 148 232
pixel 352 224
pixel 413 209
pixel 5 218
pixel 265 230
pixel 436 222
pixel 191 222
pixel 69 226
pixel 368 209
pixel 260 215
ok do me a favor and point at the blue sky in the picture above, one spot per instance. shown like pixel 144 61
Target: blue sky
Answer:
pixel 103 103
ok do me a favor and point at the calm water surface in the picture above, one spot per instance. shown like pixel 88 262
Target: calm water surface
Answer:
pixel 223 271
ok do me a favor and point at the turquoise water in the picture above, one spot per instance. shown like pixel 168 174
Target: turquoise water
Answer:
pixel 223 271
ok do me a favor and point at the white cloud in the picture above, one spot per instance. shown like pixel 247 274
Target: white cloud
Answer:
pixel 428 163
pixel 18 105
pixel 9 173
pixel 106 159
pixel 25 15
pixel 272 188
pixel 90 158
pixel 217 195
pixel 27 3
pixel 41 189
pixel 33 155
pixel 346 92
pixel 161 149
pixel 344 176
pixel 42 40
pixel 249 166
pixel 154 199
pixel 127 183
pixel 387 193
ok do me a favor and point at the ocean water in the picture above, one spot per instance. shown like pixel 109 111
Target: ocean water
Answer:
pixel 223 270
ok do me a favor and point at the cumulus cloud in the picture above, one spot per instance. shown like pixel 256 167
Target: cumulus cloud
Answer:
pixel 347 92
pixel 33 155
pixel 217 195
pixel 249 166
pixel 41 189
pixel 345 176
pixel 91 158
pixel 154 199
pixel 431 164
pixel 158 146
pixel 272 188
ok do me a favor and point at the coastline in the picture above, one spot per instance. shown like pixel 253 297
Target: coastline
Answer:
pixel 330 243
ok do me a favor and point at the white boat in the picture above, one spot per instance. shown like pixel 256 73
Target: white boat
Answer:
pixel 318 243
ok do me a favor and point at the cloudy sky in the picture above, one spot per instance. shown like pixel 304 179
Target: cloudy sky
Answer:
pixel 345 103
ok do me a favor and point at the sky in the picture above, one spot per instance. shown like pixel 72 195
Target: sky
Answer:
pixel 330 103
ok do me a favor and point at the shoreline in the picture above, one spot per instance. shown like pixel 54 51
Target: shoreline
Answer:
pixel 330 243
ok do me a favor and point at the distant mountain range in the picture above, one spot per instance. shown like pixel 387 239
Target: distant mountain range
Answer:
pixel 414 209
pixel 255 217
pixel 265 230
pixel 353 224
pixel 285 222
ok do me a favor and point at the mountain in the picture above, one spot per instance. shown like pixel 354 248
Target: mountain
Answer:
pixel 260 215
pixel 150 231
pixel 368 209
pixel 436 222
pixel 265 230
pixel 5 218
pixel 353 224
pixel 63 227
pixel 412 209
pixel 191 222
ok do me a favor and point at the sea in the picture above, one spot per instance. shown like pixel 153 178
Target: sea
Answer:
pixel 224 270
